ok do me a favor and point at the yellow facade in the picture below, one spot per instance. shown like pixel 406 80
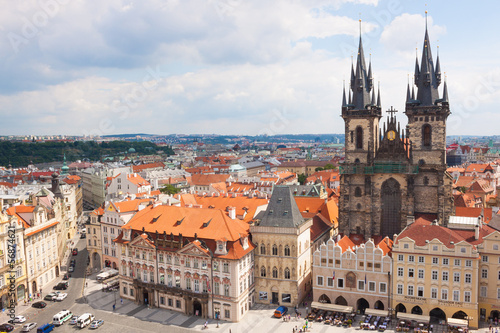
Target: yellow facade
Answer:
pixel 489 277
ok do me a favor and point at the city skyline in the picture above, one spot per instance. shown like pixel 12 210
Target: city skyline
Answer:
pixel 181 67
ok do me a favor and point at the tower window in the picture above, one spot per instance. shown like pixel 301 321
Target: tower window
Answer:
pixel 426 135
pixel 359 138
pixel 352 136
pixel 357 192
pixel 426 180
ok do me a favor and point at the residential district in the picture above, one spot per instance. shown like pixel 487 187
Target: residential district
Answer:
pixel 377 232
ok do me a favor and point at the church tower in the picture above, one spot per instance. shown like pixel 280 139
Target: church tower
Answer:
pixel 361 113
pixel 427 114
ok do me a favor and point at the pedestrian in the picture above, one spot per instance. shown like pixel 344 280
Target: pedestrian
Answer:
pixel 121 301
pixel 114 306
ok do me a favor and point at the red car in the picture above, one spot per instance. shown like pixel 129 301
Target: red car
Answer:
pixel 75 252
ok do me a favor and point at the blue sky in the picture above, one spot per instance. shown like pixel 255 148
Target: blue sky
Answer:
pixel 232 66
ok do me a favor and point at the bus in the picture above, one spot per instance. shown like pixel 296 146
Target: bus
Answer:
pixel 84 320
pixel 61 317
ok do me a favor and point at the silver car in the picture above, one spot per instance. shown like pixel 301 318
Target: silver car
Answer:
pixel 28 327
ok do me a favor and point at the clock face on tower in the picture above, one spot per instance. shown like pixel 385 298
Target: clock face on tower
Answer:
pixel 391 135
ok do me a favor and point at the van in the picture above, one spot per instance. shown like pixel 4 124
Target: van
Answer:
pixel 61 317
pixel 280 311
pixel 45 328
pixel 84 320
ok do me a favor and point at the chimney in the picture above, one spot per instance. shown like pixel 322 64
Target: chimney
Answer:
pixel 476 232
pixel 232 212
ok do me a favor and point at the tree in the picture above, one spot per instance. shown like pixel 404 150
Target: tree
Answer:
pixel 302 178
pixel 169 189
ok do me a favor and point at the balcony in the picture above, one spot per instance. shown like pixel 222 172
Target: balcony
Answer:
pixel 378 168
pixel 172 290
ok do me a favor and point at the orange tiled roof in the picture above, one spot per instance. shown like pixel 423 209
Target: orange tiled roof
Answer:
pixel 480 168
pixel 205 180
pixel 137 180
pixel 474 212
pixel 141 167
pixel 241 204
pixel 128 205
pixel 345 244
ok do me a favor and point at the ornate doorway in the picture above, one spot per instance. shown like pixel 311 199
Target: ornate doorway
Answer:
pixel 391 208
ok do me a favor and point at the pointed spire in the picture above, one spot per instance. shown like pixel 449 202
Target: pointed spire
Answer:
pixel 413 92
pixel 370 75
pixel 378 95
pixel 373 97
pixel 361 80
pixel 438 69
pixel 350 98
pixel 445 92
pixel 416 75
pixel 408 94
pixel 344 102
pixel 353 77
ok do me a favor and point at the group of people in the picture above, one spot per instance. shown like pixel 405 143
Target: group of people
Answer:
pixel 31 298
pixel 286 318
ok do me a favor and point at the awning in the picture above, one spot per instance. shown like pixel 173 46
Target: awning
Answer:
pixel 457 322
pixel 375 312
pixel 332 307
pixel 415 317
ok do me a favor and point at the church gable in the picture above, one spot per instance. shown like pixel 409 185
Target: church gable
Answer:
pixel 393 146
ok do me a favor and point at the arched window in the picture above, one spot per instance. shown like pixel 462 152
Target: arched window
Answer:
pixel 263 271
pixel 262 249
pixel 357 191
pixel 275 250
pixel 287 273
pixel 275 272
pixel 359 137
pixel 287 251
pixel 426 135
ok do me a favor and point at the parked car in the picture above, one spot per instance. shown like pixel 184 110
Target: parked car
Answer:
pixel 45 328
pixel 28 327
pixel 66 276
pixel 61 297
pixel 71 269
pixel 75 252
pixel 50 297
pixel 6 328
pixel 61 286
pixel 17 320
pixel 280 311
pixel 73 262
pixel 96 323
pixel 39 305
pixel 73 319
pixel 83 236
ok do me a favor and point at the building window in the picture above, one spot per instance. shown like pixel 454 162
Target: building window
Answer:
pixel 287 251
pixel 197 286
pixel 468 278
pixel 357 192
pixel 420 291
pixel 320 280
pixel 287 273
pixel 484 273
pixel 495 247
pixel 275 273
pixel 456 277
pixel 216 288
pixel 176 261
pixel 162 300
pixel 445 276
pixel 275 250
pixel 226 290
pixel 445 261
pixel 420 273
pixel 359 137
pixel 411 258
pixel 225 267
pixel 435 260
pixel 340 283
pixel 188 283
pixel 456 295
pixel 178 304
pixel 484 258
pixel 457 262
pixel 262 249
pixel 383 287
pixel 434 293
pixel 411 272
pixel 400 289
pixel 468 263
pixel 227 313
pixel 286 298
pixel 410 290
pixel 400 257
pixel 371 286
pixel 421 259
pixel 483 291
pixel 204 264
pixel 426 135
pixel 400 271
pixel 444 294
pixel 467 296
pixel 263 271
pixel 434 275
pixel 178 281
pixel 361 285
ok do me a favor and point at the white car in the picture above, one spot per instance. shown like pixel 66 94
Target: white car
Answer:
pixel 28 327
pixel 61 296
pixel 18 320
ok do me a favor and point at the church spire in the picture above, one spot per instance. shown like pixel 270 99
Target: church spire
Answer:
pixel 426 78
pixel 408 93
pixel 445 92
pixel 378 96
pixel 344 102
pixel 361 79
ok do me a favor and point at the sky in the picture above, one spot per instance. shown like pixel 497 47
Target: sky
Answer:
pixel 248 67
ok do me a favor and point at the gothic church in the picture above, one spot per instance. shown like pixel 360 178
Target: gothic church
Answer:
pixel 392 175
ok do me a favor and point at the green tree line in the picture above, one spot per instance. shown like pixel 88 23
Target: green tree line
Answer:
pixel 20 154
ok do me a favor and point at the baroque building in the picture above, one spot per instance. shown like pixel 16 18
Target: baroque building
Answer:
pixel 392 175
